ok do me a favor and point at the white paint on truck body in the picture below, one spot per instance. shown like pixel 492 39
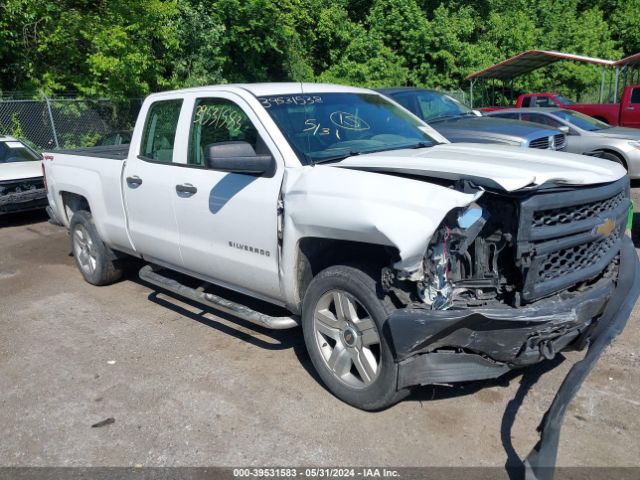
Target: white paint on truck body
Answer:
pixel 223 237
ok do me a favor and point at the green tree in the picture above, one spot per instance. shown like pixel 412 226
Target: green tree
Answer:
pixel 367 62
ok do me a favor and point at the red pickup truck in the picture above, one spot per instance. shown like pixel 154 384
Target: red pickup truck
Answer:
pixel 625 114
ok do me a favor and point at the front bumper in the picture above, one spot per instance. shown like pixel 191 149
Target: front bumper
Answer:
pixel 443 346
pixel 481 344
pixel 23 201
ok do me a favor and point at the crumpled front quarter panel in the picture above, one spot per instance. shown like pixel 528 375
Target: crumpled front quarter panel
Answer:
pixel 337 203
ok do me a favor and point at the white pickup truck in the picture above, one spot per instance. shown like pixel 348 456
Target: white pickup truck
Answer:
pixel 406 260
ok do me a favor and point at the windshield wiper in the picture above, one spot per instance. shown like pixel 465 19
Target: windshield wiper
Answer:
pixel 421 145
pixel 338 158
pixel 441 118
pixel 354 153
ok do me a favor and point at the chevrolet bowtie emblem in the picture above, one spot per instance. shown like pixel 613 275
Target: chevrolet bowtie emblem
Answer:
pixel 606 227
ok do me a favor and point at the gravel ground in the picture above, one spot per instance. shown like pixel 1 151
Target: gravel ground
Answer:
pixel 188 387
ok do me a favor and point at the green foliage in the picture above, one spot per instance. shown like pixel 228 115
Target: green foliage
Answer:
pixel 15 130
pixel 367 62
pixel 121 48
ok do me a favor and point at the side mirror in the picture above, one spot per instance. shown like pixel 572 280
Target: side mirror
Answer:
pixel 237 157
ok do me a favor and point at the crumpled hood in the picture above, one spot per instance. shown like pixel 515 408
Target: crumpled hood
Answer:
pixel 20 170
pixel 493 166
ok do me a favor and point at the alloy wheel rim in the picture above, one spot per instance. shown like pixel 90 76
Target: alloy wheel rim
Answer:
pixel 84 250
pixel 347 338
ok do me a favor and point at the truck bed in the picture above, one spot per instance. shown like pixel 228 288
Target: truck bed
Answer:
pixel 111 152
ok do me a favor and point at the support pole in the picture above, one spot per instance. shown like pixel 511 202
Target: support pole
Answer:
pixel 615 85
pixel 53 125
pixel 473 80
pixel 602 86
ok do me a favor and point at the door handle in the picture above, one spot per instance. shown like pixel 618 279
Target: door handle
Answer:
pixel 134 181
pixel 630 108
pixel 187 189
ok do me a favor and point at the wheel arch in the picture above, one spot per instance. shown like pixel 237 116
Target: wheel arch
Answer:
pixel 314 254
pixel 72 202
pixel 611 151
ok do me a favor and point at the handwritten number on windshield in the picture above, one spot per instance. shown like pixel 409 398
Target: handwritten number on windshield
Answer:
pixel 268 102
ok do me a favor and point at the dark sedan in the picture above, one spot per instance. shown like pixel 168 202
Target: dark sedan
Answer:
pixel 458 123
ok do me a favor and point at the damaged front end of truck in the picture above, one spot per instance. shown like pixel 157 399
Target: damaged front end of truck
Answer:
pixel 518 266
pixel 512 280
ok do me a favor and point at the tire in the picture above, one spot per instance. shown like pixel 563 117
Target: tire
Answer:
pixel 613 157
pixel 346 345
pixel 97 262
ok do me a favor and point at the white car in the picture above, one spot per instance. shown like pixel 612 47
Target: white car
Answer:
pixel 406 260
pixel 21 181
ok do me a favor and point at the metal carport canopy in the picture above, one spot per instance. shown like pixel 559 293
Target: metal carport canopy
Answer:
pixel 631 60
pixel 534 59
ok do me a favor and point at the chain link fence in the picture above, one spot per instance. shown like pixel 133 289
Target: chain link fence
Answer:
pixel 458 94
pixel 61 123
pixel 66 123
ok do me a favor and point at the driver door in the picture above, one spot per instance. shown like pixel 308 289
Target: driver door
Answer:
pixel 227 222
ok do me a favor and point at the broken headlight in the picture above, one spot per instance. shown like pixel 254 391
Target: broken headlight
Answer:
pixel 448 254
pixel 469 216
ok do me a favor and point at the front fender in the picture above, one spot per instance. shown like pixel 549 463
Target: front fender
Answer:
pixel 342 204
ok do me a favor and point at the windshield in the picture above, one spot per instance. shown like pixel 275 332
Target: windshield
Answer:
pixel 13 151
pixel 436 106
pixel 432 106
pixel 332 126
pixel 564 100
pixel 581 120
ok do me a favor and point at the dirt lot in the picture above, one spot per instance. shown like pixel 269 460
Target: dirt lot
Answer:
pixel 188 387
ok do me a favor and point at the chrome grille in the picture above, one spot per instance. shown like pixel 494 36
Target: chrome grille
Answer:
pixel 542 143
pixel 560 141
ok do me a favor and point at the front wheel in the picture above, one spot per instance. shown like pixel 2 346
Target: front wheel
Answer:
pixel 342 321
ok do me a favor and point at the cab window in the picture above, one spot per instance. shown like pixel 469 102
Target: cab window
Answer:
pixel 160 128
pixel 540 118
pixel 509 116
pixel 544 102
pixel 635 96
pixel 218 120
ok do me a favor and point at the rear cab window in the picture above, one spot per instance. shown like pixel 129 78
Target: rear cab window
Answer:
pixel 635 96
pixel 544 102
pixel 159 134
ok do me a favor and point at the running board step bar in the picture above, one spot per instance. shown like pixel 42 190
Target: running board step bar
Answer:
pixel 148 274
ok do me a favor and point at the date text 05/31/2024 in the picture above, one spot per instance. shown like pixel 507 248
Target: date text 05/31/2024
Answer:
pixel 315 473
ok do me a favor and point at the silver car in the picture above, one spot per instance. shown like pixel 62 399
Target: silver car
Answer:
pixel 586 135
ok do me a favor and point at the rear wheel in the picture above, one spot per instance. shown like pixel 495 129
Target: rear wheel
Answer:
pixel 98 263
pixel 342 322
